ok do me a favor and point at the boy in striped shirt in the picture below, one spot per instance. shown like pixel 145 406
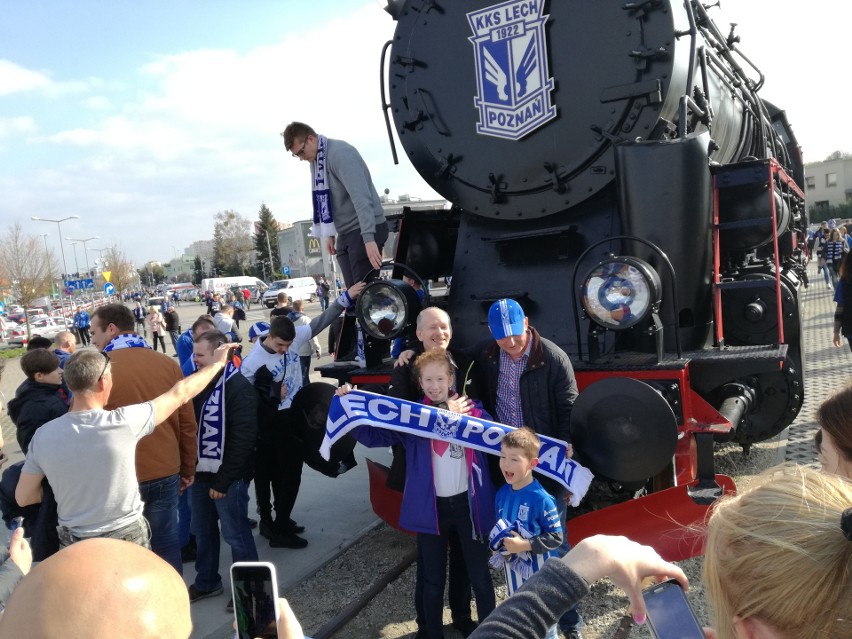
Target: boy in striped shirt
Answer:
pixel 526 513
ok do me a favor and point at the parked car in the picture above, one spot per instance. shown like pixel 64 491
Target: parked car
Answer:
pixel 45 327
pixel 304 288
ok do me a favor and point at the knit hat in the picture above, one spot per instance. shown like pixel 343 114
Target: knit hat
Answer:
pixel 258 329
pixel 506 318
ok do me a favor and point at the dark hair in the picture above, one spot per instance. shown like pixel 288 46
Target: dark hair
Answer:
pixel 117 314
pixel 39 360
pixel 846 269
pixel 282 328
pixel 525 439
pixel 38 343
pixel 296 130
pixel 214 339
pixel 835 416
pixel 203 319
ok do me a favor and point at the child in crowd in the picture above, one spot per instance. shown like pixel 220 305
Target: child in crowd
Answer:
pixel 528 530
pixel 447 486
pixel 38 399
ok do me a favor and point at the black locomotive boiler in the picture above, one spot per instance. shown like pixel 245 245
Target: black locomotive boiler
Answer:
pixel 612 168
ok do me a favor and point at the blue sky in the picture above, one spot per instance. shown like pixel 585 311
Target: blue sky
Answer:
pixel 146 118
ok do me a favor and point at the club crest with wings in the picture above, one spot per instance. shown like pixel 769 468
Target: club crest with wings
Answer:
pixel 511 68
pixel 447 424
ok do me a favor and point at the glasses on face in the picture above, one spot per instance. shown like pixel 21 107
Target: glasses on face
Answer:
pixel 301 151
pixel 106 365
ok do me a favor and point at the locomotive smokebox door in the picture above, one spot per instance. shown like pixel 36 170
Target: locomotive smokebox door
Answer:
pixel 509 110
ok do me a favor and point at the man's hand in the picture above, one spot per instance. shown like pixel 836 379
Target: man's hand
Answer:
pixel 318 353
pixel 355 290
pixel 836 340
pixel 462 405
pixel 404 358
pixel 329 245
pixel 215 494
pixel 569 451
pixel 283 391
pixel 186 482
pixel 20 551
pixel 374 254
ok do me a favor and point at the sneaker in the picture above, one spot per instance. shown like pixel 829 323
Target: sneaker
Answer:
pixel 287 540
pixel 465 626
pixel 230 606
pixel 196 594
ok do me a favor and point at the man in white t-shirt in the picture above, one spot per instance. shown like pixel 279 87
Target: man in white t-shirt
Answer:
pixel 89 454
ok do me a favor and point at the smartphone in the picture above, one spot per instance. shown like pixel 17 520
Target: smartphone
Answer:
pixel 669 614
pixel 17 522
pixel 254 586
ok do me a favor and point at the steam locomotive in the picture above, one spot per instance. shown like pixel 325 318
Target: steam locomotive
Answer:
pixel 612 168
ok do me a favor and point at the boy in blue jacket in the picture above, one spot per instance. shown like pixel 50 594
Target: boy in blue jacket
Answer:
pixel 447 487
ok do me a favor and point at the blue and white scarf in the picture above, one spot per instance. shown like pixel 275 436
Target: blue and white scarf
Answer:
pixel 126 340
pixel 323 225
pixel 211 425
pixel 520 562
pixel 361 408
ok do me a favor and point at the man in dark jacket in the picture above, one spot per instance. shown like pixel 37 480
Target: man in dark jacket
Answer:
pixel 227 425
pixel 172 326
pixel 37 400
pixel 527 380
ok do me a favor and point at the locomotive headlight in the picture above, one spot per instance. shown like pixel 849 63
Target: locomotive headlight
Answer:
pixel 385 308
pixel 621 292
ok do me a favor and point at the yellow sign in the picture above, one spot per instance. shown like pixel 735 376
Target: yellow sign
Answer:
pixel 107 275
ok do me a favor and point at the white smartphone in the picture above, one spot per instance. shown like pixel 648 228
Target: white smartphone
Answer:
pixel 669 613
pixel 254 586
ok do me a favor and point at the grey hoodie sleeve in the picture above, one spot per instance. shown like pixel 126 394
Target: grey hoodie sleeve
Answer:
pixel 536 605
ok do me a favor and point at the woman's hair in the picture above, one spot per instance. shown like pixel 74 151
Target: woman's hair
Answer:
pixel 152 309
pixel 434 356
pixel 845 268
pixel 834 233
pixel 835 416
pixel 776 552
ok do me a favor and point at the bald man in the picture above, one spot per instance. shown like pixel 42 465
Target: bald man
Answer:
pixel 64 344
pixel 99 588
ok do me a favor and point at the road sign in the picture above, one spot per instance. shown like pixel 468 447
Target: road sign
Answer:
pixel 285 270
pixel 109 289
pixel 107 275
pixel 80 285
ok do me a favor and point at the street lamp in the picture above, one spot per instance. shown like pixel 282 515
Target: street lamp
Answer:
pixel 61 248
pixel 86 252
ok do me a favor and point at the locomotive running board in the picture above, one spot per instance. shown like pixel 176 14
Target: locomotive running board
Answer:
pixel 669 520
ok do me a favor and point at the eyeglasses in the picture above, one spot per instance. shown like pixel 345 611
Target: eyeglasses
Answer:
pixel 106 365
pixel 301 151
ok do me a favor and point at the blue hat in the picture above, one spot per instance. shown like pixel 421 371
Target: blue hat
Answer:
pixel 506 319
pixel 258 329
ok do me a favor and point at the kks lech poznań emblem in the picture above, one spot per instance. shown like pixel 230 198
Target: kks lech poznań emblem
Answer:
pixel 511 68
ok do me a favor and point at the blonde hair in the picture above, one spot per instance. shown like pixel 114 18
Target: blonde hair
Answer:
pixel 524 439
pixel 776 552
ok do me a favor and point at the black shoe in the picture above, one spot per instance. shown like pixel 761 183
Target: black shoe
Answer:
pixel 293 527
pixel 196 595
pixel 230 606
pixel 465 626
pixel 266 528
pixel 287 540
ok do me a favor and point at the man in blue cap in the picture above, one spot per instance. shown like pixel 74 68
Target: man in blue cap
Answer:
pixel 527 380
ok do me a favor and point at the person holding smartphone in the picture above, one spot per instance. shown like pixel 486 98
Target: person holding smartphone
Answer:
pixel 226 411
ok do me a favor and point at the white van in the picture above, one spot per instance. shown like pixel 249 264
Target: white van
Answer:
pixel 296 288
pixel 223 284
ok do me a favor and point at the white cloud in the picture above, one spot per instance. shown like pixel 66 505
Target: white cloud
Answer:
pixel 20 124
pixel 17 79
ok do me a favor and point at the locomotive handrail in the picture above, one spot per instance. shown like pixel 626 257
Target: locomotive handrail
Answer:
pixel 385 104
pixel 672 286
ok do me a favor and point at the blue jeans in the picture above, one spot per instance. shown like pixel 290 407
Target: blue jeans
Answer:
pixel 571 620
pixel 184 517
pixel 231 511
pixel 161 511
pixel 323 303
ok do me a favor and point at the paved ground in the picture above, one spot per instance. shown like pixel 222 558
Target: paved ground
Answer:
pixel 337 511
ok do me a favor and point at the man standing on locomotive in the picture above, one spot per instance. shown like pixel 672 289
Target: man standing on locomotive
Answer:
pixel 526 380
pixel 345 201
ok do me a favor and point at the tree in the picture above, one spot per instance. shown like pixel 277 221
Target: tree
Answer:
pixel 266 242
pixel 26 265
pixel 197 271
pixel 152 273
pixel 122 273
pixel 232 244
pixel 838 155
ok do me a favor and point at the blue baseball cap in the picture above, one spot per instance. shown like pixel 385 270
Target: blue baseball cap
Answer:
pixel 506 319
pixel 258 329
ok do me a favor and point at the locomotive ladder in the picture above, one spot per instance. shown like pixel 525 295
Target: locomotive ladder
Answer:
pixel 731 176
